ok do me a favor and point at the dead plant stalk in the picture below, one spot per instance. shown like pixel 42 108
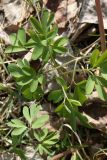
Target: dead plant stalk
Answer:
pixel 101 25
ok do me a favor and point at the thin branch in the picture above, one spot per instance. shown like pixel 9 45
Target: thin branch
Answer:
pixel 101 25
pixel 60 155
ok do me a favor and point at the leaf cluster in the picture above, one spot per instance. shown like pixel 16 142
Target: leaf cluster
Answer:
pixel 98 81
pixel 34 124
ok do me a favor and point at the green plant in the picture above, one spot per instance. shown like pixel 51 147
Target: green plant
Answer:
pixel 97 81
pixel 46 44
pixel 43 39
pixel 44 36
pixel 33 129
pixel 68 107
pixel 31 115
pixel 46 139
pixel 28 80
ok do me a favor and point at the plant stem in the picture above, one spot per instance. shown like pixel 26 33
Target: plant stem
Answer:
pixel 65 64
pixel 60 155
pixel 2 62
pixel 101 25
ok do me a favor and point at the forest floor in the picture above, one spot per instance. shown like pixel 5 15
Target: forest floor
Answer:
pixel 77 20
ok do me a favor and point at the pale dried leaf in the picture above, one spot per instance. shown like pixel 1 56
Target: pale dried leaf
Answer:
pixel 96 112
pixel 5 37
pixel 88 12
pixel 66 10
pixel 15 11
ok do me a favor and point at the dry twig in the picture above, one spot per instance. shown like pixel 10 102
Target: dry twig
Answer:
pixel 101 25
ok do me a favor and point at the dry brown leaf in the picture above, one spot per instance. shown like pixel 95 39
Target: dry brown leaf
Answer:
pixel 66 10
pixel 96 113
pixel 15 11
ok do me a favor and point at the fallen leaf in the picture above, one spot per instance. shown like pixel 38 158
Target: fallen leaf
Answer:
pixel 88 12
pixel 66 10
pixel 96 112
pixel 15 11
